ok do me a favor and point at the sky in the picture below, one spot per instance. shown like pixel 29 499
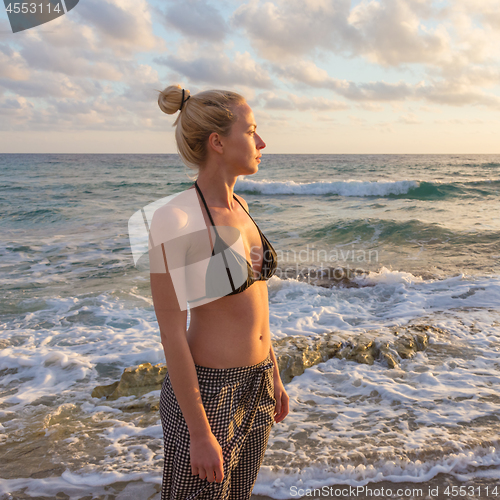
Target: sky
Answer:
pixel 322 76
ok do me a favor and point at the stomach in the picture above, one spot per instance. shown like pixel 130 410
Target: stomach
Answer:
pixel 232 331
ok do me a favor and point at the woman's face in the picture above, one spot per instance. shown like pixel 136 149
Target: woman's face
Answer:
pixel 242 146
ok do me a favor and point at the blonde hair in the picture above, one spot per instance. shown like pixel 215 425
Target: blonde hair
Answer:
pixel 201 114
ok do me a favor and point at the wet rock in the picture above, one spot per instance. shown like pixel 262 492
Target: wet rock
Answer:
pixel 388 355
pixel 104 390
pixel 406 347
pixel 134 381
pixel 294 356
pixel 363 351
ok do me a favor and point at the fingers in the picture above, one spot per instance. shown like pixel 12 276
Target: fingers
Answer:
pixel 283 407
pixel 219 473
pixel 278 407
pixel 211 475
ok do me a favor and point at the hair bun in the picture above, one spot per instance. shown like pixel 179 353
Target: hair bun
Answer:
pixel 170 99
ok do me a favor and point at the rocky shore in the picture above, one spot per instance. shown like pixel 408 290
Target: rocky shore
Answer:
pixel 294 355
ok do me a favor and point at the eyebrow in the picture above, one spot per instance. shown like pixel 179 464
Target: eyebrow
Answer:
pixel 253 125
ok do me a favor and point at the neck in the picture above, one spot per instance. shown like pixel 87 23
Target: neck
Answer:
pixel 217 189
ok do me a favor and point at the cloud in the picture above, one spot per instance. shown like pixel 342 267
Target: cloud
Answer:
pixel 377 91
pixel 123 26
pixel 197 19
pixel 105 113
pixel 12 65
pixel 305 72
pixel 271 101
pixel 293 102
pixel 98 42
pixel 287 29
pixel 141 84
pixel 308 74
pixel 45 85
pixel 74 63
pixel 409 119
pixel 456 121
pixel 15 109
pixel 459 92
pixel 444 39
pixel 370 106
pixel 386 32
pixel 89 71
pixel 479 18
pixel 318 104
pixel 391 33
pixel 219 69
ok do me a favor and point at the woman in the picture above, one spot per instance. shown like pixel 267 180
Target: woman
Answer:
pixel 223 390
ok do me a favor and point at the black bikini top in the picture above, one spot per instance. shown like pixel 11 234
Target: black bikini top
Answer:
pixel 242 270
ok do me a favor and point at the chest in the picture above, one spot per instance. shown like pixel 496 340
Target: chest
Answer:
pixel 250 235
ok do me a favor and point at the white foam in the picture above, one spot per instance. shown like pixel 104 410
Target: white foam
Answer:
pixel 342 188
pixel 345 415
pixel 385 298
pixel 75 485
pixel 280 484
pixel 345 409
pixel 387 276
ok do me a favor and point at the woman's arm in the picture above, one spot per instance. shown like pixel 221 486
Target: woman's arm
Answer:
pixel 205 451
pixel 172 322
pixel 282 398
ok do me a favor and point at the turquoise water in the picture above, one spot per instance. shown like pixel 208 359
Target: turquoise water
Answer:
pixel 75 311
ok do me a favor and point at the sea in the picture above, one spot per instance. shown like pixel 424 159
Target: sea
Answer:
pixel 416 241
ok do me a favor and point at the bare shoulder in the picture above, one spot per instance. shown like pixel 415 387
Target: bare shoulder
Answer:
pixel 242 201
pixel 169 224
pixel 172 212
pixel 168 219
pixel 172 215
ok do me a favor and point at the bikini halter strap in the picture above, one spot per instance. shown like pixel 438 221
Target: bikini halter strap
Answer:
pixel 204 202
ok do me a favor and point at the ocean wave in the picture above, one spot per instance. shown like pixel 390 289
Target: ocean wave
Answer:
pixel 407 232
pixel 37 215
pixel 415 189
pixel 341 188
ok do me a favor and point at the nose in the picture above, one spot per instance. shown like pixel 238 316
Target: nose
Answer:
pixel 259 143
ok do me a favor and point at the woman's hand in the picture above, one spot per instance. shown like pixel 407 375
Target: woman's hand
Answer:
pixel 282 399
pixel 206 458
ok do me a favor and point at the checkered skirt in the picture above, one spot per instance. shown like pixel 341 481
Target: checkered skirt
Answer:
pixel 239 403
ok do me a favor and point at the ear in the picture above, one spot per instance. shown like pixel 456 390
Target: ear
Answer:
pixel 215 143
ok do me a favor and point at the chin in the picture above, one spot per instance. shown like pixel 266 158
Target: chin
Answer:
pixel 250 171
